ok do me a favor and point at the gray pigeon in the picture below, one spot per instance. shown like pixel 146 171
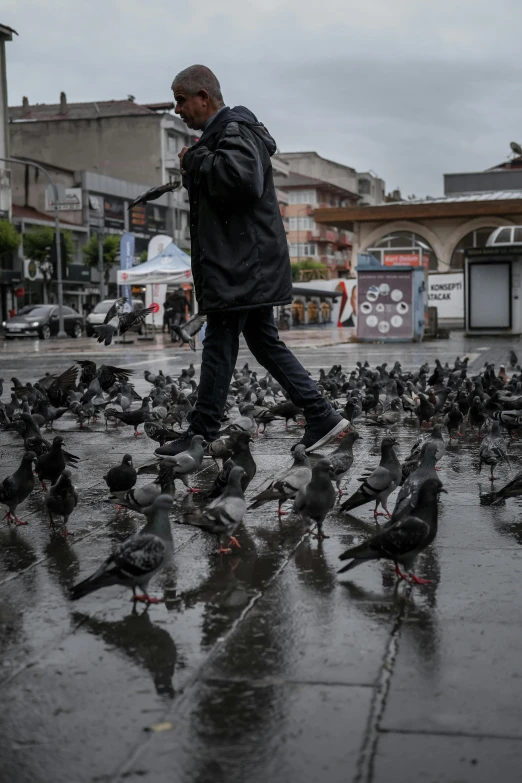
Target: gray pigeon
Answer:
pixel 224 515
pixel 187 331
pixel 405 540
pixel 380 483
pixel 140 557
pixel 140 498
pixel 342 458
pixel 287 485
pixel 409 492
pixel 121 477
pixel 185 463
pixel 50 465
pixel 61 500
pixel 492 449
pixel 511 490
pixel 16 488
pixel 317 498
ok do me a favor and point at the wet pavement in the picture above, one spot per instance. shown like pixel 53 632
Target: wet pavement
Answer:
pixel 266 665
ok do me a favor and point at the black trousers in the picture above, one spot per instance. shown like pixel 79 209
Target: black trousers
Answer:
pixel 220 350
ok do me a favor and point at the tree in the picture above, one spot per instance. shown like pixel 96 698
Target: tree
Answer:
pixel 38 247
pixel 111 253
pixel 9 238
pixel 308 269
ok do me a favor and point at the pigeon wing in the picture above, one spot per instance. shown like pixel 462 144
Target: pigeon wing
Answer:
pixel 194 324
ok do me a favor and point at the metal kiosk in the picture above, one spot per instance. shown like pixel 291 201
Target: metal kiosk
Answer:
pixel 492 290
pixel 391 301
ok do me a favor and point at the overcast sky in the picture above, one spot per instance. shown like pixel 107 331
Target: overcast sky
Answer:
pixel 408 88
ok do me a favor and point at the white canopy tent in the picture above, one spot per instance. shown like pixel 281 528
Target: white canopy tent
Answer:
pixel 172 265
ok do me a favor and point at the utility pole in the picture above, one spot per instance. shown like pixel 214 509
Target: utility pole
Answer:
pixel 101 267
pixel 61 331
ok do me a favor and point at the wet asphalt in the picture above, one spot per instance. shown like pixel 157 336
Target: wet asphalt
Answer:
pixel 265 665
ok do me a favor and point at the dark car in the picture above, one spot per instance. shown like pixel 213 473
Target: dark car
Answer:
pixel 42 321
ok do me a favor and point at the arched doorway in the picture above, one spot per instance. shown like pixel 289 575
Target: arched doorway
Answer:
pixel 477 238
pixel 313 312
pixel 405 243
pixel 297 312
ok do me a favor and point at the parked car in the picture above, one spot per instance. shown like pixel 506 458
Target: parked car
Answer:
pixel 100 311
pixel 42 321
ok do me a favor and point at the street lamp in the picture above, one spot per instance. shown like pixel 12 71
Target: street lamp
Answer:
pixel 23 162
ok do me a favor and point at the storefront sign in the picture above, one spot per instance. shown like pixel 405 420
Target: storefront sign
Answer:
pixel 113 213
pixel 69 200
pixel 401 259
pixel 446 293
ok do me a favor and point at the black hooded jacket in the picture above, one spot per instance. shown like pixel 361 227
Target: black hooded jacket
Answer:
pixel 239 249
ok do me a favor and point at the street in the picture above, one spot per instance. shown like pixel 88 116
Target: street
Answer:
pixel 264 665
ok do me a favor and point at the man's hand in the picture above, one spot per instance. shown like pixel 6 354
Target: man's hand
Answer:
pixel 181 155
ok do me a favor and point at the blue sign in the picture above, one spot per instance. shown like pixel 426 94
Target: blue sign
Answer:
pixel 126 262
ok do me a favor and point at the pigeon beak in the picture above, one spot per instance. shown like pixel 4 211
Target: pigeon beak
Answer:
pixel 443 490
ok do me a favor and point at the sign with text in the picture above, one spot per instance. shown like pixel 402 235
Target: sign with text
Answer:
pixel 69 199
pixel 446 293
pixel 113 213
pixel 402 259
pixel 384 305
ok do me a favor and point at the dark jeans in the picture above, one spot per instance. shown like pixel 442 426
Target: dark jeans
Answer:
pixel 220 350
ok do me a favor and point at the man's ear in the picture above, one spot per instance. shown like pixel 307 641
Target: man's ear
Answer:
pixel 204 95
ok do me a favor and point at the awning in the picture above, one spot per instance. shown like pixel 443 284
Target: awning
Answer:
pixel 171 266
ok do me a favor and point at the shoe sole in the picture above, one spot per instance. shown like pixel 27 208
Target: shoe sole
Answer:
pixel 340 427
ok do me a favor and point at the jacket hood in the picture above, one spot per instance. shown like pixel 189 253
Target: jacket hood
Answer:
pixel 242 115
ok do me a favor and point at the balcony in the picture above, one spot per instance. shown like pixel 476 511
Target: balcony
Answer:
pixel 324 235
pixel 344 239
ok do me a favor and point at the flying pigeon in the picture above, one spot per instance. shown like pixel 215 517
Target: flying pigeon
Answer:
pixel 153 193
pixel 106 332
pixel 138 559
pixel 187 331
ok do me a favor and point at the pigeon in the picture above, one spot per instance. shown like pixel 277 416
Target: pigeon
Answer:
pixel 342 458
pixel 287 411
pixel 287 485
pixel 409 492
pixel 50 465
pixel 380 483
pixel 106 374
pixel 405 540
pixel 155 192
pixel 183 464
pixel 105 332
pixel 317 498
pixel 61 500
pixel 187 331
pixel 114 309
pixel 492 449
pixel 513 359
pixel 140 498
pixel 223 516
pixel 241 456
pixel 16 488
pixel 121 477
pixel 33 440
pixel 140 557
pixel 135 418
pixel 476 415
pixel 511 490
pixel 453 419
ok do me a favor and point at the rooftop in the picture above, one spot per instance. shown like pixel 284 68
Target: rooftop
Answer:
pixel 31 214
pixel 294 180
pixel 76 111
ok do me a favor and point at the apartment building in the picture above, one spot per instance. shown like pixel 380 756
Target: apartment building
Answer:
pixel 306 239
pixel 120 139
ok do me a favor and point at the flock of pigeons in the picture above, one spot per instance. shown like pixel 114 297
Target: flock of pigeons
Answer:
pixel 440 403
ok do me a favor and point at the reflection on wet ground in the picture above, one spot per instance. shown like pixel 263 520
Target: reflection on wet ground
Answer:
pixel 262 666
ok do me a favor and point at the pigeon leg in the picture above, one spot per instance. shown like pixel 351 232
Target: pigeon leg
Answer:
pixel 194 490
pixel 44 486
pixel 233 540
pixel 20 521
pixel 399 572
pixel 51 523
pixel 416 580
pixel 320 536
pixel 223 550
pixel 279 512
pixel 375 512
pixel 9 517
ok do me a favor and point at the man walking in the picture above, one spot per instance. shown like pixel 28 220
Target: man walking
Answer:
pixel 240 260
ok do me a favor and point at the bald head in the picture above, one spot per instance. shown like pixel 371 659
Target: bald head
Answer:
pixel 197 95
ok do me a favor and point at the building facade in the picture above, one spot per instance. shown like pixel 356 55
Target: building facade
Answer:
pixel 308 241
pixel 119 139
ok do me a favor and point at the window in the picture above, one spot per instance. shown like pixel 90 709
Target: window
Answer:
pixel 69 311
pixel 503 236
pixel 302 197
pixel 474 239
pixel 518 236
pixel 303 250
pixel 302 223
pixel 405 242
pixel 364 187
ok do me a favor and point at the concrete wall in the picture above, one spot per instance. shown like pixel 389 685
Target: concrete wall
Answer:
pixel 127 148
pixel 312 165
pixel 483 181
pixel 29 186
pixel 443 235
